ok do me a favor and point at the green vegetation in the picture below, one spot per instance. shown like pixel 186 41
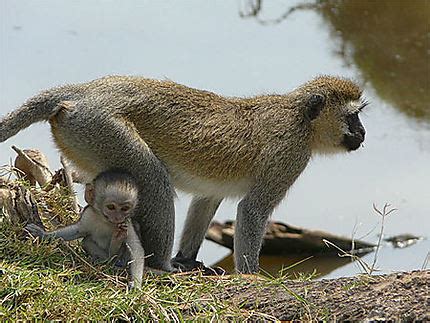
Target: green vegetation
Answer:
pixel 53 280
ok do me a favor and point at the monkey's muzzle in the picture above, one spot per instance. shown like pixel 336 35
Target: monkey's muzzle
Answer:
pixel 355 136
pixel 354 141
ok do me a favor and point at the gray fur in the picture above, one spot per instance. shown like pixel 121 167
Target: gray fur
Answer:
pixel 166 134
pixel 200 214
pixel 99 235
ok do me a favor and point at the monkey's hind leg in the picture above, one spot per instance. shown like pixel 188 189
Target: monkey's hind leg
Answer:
pixel 91 248
pixel 96 141
pixel 200 214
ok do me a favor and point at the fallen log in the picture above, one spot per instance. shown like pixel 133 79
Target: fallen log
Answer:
pixel 283 239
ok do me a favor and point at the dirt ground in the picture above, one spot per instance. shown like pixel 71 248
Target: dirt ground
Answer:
pixel 399 296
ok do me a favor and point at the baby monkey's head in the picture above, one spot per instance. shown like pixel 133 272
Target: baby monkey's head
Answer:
pixel 114 194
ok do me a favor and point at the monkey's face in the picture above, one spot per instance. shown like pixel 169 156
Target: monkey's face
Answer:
pixel 117 212
pixel 117 206
pixel 332 106
pixel 338 128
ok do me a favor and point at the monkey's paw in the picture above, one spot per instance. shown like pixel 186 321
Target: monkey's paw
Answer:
pixel 119 234
pixel 35 230
pixel 183 264
pixel 134 285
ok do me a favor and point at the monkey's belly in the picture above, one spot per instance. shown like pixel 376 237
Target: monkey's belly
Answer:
pixel 209 187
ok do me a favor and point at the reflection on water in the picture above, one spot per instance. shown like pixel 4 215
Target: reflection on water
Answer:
pixel 293 264
pixel 388 41
pixel 293 250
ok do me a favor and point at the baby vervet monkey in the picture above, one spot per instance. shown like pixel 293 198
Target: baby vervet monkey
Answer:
pixel 105 224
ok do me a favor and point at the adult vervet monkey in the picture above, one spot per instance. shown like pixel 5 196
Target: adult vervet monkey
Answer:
pixel 168 135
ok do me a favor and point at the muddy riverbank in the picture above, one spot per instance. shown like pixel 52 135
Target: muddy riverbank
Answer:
pixel 398 296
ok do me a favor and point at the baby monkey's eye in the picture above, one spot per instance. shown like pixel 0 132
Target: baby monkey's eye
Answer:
pixel 125 208
pixel 110 207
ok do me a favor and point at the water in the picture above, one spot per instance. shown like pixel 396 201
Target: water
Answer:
pixel 208 45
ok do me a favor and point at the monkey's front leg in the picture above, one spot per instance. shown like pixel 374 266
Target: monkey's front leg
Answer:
pixel 200 214
pixel 137 255
pixel 252 215
pixel 68 233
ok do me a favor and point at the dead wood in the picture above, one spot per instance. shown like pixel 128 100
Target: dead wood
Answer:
pixel 283 239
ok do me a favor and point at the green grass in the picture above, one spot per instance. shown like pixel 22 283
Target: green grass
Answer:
pixel 53 280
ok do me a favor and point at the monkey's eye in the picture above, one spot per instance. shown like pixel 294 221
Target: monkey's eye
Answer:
pixel 110 207
pixel 125 208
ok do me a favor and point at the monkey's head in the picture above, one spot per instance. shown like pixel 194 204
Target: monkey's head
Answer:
pixel 114 194
pixel 332 105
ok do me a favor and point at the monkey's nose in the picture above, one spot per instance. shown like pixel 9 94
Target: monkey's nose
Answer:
pixel 362 132
pixel 353 142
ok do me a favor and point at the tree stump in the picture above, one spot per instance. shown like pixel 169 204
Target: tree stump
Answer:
pixel 18 204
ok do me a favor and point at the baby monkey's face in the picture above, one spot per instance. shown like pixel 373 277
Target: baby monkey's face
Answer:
pixel 116 212
pixel 117 207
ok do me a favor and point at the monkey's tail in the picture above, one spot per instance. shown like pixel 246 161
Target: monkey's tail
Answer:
pixel 38 108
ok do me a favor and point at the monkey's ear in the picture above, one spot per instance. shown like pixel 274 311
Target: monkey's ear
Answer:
pixel 89 194
pixel 314 106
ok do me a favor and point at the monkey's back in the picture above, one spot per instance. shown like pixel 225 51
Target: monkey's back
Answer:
pixel 196 131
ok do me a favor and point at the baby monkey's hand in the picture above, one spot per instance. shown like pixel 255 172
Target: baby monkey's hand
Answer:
pixel 120 232
pixel 35 230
